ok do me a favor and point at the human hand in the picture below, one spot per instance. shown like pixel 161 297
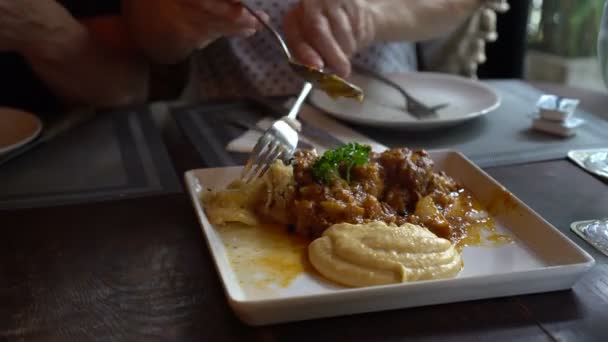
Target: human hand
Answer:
pixel 482 30
pixel 29 25
pixel 200 22
pixel 324 33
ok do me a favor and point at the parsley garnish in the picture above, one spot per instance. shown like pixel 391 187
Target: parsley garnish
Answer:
pixel 328 166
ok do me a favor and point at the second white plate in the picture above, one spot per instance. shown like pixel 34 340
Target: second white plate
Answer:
pixel 17 128
pixel 385 107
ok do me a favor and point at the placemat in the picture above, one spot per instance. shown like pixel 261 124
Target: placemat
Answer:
pixel 112 155
pixel 502 137
pixel 211 126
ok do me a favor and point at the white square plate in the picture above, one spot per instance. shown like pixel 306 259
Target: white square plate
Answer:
pixel 540 259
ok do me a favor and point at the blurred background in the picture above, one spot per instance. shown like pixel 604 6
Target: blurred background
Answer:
pixel 548 40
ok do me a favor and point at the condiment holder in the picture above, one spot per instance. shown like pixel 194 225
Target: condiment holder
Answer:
pixel 556 116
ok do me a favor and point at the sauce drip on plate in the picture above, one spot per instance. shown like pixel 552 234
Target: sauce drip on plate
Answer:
pixel 265 257
pixel 471 224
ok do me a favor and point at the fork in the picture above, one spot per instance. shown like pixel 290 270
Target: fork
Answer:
pixel 278 142
pixel 412 105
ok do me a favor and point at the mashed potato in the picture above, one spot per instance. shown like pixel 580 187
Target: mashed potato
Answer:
pixel 376 253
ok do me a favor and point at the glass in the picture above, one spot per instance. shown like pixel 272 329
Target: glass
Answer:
pixel 602 44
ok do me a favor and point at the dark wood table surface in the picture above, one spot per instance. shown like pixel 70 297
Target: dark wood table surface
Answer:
pixel 139 270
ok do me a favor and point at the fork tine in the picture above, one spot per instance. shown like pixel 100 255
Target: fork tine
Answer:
pixel 270 160
pixel 259 160
pixel 247 168
pixel 254 158
pixel 263 159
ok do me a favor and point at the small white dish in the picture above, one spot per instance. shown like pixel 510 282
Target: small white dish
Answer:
pixel 17 128
pixel 384 106
pixel 594 161
pixel 555 108
pixel 541 259
pixel 564 128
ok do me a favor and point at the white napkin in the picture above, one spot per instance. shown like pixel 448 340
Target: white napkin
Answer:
pixel 247 140
pixel 314 117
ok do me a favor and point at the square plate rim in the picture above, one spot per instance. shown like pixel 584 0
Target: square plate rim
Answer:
pixel 582 267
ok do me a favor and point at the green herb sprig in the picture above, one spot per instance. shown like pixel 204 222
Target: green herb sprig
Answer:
pixel 326 168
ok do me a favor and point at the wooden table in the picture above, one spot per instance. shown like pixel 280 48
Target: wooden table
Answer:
pixel 139 270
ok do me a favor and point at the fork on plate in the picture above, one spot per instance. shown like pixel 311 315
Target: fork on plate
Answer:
pixel 412 105
pixel 278 142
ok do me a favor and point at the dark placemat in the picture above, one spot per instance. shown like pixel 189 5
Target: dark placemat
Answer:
pixel 53 125
pixel 211 126
pixel 502 137
pixel 112 155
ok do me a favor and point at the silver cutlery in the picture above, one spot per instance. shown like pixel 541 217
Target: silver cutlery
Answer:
pixel 278 142
pixel 412 105
pixel 247 126
pixel 333 85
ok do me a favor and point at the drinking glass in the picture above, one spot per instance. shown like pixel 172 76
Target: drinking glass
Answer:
pixel 602 44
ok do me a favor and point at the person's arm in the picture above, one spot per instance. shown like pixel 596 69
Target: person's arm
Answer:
pixel 91 63
pixel 82 63
pixel 464 49
pixel 326 33
pixel 168 31
pixel 420 20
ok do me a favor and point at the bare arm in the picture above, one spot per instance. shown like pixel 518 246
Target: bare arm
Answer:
pixel 419 20
pixel 328 32
pixel 92 65
pixel 156 31
pixel 82 63
pixel 169 30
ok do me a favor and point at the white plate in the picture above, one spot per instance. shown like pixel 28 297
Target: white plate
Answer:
pixel 540 259
pixel 385 107
pixel 17 128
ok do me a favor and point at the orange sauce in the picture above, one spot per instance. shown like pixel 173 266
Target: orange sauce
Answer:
pixel 267 257
pixel 502 201
pixel 335 86
pixel 472 224
pixel 264 258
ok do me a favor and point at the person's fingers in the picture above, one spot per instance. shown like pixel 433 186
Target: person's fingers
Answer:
pixel 224 28
pixel 479 48
pixel 204 24
pixel 500 6
pixel 265 17
pixel 226 9
pixel 317 32
pixel 487 25
pixel 203 41
pixel 204 29
pixel 302 51
pixel 342 30
pixel 262 16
